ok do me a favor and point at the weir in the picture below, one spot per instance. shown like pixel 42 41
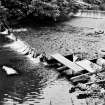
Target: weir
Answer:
pixel 90 14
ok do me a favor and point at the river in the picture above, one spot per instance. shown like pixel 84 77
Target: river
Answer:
pixel 36 84
pixel 33 85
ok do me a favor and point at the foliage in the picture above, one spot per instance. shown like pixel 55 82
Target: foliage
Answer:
pixel 102 6
pixel 96 3
pixel 55 9
pixel 3 15
pixel 19 9
pixel 2 12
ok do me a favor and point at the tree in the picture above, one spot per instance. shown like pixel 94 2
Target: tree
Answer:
pixel 97 2
pixel 3 15
pixel 100 4
pixel 19 9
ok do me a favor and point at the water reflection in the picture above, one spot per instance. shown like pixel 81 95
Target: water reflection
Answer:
pixel 27 87
pixel 34 85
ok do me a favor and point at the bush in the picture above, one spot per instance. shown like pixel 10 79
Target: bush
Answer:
pixel 100 4
pixel 3 15
pixel 96 2
pixel 19 9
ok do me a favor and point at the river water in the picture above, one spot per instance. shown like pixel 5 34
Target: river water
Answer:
pixel 33 85
pixel 33 90
pixel 36 84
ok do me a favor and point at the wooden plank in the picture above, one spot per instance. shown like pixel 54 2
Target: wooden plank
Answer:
pixel 88 65
pixel 76 78
pixel 67 62
pixel 62 68
pixel 96 82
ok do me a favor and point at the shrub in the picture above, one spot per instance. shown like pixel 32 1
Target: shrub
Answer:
pixel 19 9
pixel 3 15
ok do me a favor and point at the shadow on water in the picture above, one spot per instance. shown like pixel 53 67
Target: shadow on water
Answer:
pixel 25 87
pixel 36 23
pixel 32 79
pixel 28 84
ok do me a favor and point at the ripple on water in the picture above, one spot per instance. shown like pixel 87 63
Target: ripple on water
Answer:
pixel 36 85
pixel 28 87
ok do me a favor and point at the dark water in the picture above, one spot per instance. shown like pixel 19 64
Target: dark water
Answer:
pixel 34 85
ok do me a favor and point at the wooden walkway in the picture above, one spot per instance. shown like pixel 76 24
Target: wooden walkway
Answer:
pixel 77 66
pixel 67 62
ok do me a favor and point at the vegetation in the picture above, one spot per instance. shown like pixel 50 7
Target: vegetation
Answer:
pixel 96 4
pixel 54 9
pixel 19 9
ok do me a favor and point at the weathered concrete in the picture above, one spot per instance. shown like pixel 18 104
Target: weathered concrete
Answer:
pixel 90 14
